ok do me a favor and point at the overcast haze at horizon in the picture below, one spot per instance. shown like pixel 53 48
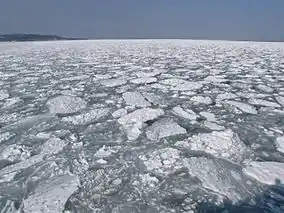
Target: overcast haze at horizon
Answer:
pixel 220 19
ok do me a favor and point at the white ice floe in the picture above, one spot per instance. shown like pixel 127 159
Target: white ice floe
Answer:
pixel 6 136
pixel 265 172
pixel 213 126
pixel 118 113
pixel 185 113
pixel 264 88
pixel 225 96
pixel 135 99
pixel 11 102
pixel 113 82
pixel 280 143
pixel 164 128
pixel 214 176
pixel 224 144
pixel 66 104
pixel 104 151
pixel 280 100
pixel 87 117
pixel 243 107
pixel 163 161
pixel 133 122
pixel 51 195
pixel 148 74
pixel 188 86
pixel 261 102
pixel 201 100
pixel 15 153
pixel 52 146
pixel 3 95
pixel 209 116
pixel 215 79
pixel 154 99
pixel 144 80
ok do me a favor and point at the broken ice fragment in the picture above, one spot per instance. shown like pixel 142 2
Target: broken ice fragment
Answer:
pixel 261 102
pixel 164 128
pixel 265 172
pixel 66 104
pixel 184 113
pixel 201 100
pixel 280 144
pixel 87 117
pixel 51 196
pixel 243 107
pixel 145 80
pixel 135 99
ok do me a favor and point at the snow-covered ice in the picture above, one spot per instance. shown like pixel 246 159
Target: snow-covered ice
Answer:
pixel 185 113
pixel 243 107
pixel 135 99
pixel 280 143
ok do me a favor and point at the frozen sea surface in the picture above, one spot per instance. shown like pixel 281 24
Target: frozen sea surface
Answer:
pixel 156 126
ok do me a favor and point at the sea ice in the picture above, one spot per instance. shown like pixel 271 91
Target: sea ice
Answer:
pixel 280 100
pixel 135 99
pixel 209 116
pixel 144 80
pixel 201 100
pixel 66 104
pixel 118 113
pixel 184 113
pixel 87 117
pixel 261 102
pixel 164 128
pixel 3 95
pixel 265 172
pixel 280 144
pixel 133 121
pixel 51 195
pixel 243 107
pixel 163 161
pixel 224 144
pixel 113 82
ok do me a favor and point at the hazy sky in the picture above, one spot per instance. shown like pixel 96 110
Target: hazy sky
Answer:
pixel 211 19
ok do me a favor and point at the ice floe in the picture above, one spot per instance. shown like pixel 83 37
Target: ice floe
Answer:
pixel 113 82
pixel 201 100
pixel 185 113
pixel 118 113
pixel 135 99
pixel 213 126
pixel 163 161
pixel 243 107
pixel 280 143
pixel 208 115
pixel 265 172
pixel 15 153
pixel 280 100
pixel 224 144
pixel 87 117
pixel 164 128
pixel 66 104
pixel 133 122
pixel 261 102
pixel 3 95
pixel 51 195
pixel 144 80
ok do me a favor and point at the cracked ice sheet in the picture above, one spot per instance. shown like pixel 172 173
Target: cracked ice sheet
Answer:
pixel 223 144
pixel 133 121
pixel 265 172
pixel 51 196
pixel 87 117
pixel 135 99
pixel 164 128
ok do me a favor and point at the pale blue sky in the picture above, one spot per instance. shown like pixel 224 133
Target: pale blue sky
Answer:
pixel 210 19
